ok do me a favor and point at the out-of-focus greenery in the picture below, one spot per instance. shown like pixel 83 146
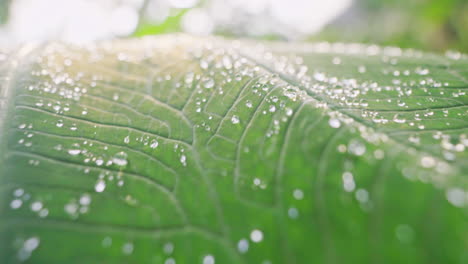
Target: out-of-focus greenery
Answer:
pixel 171 24
pixel 4 4
pixel 435 25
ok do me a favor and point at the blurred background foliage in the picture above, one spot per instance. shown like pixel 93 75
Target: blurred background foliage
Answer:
pixel 432 25
pixel 435 25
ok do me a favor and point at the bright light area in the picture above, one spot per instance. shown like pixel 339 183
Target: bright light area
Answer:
pixel 87 20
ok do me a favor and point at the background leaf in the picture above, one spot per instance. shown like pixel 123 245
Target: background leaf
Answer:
pixel 199 150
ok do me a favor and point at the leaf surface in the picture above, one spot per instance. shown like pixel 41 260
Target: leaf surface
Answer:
pixel 177 149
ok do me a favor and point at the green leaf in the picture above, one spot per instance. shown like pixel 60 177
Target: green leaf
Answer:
pixel 178 149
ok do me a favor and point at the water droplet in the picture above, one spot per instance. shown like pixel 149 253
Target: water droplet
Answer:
pixel 75 149
pixel 170 261
pixel 59 123
pixel 456 196
pixel 404 233
pixel 168 248
pixel 71 208
pixel 362 195
pixel 100 186
pixel 120 159
pixel 298 194
pixel 335 123
pixel 428 162
pixel 235 119
pixel 398 119
pixel 183 160
pixel 31 244
pixel 256 236
pixel 16 203
pixel 127 139
pixel 243 245
pixel 127 248
pixel 107 242
pixel 293 213
pixel 85 199
pixel 36 206
pixel 154 144
pixel 356 147
pixel 209 83
pixel 348 181
pixel 248 103
pixel 99 161
pixel 208 259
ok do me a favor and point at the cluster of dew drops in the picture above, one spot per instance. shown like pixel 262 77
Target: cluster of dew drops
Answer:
pixel 334 92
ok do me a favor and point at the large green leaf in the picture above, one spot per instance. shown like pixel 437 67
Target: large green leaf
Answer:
pixel 201 150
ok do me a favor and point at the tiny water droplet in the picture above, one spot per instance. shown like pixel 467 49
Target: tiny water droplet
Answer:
pixel 235 119
pixel 75 149
pixel 59 123
pixel 154 144
pixel 120 159
pixel 243 245
pixel 335 123
pixel 209 83
pixel 256 236
pixel 100 186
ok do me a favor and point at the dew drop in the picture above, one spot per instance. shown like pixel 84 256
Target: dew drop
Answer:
pixel 348 181
pixel 293 213
pixel 208 259
pixel 127 248
pixel 100 186
pixel 168 248
pixel 362 195
pixel 31 244
pixel 456 196
pixel 243 245
pixel 59 123
pixel 74 150
pixel 235 119
pixel 356 147
pixel 256 236
pixel 398 119
pixel 120 159
pixel 154 144
pixel 16 203
pixel 298 194
pixel 404 233
pixel 208 83
pixel 85 199
pixel 36 206
pixel 335 123
pixel 183 160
